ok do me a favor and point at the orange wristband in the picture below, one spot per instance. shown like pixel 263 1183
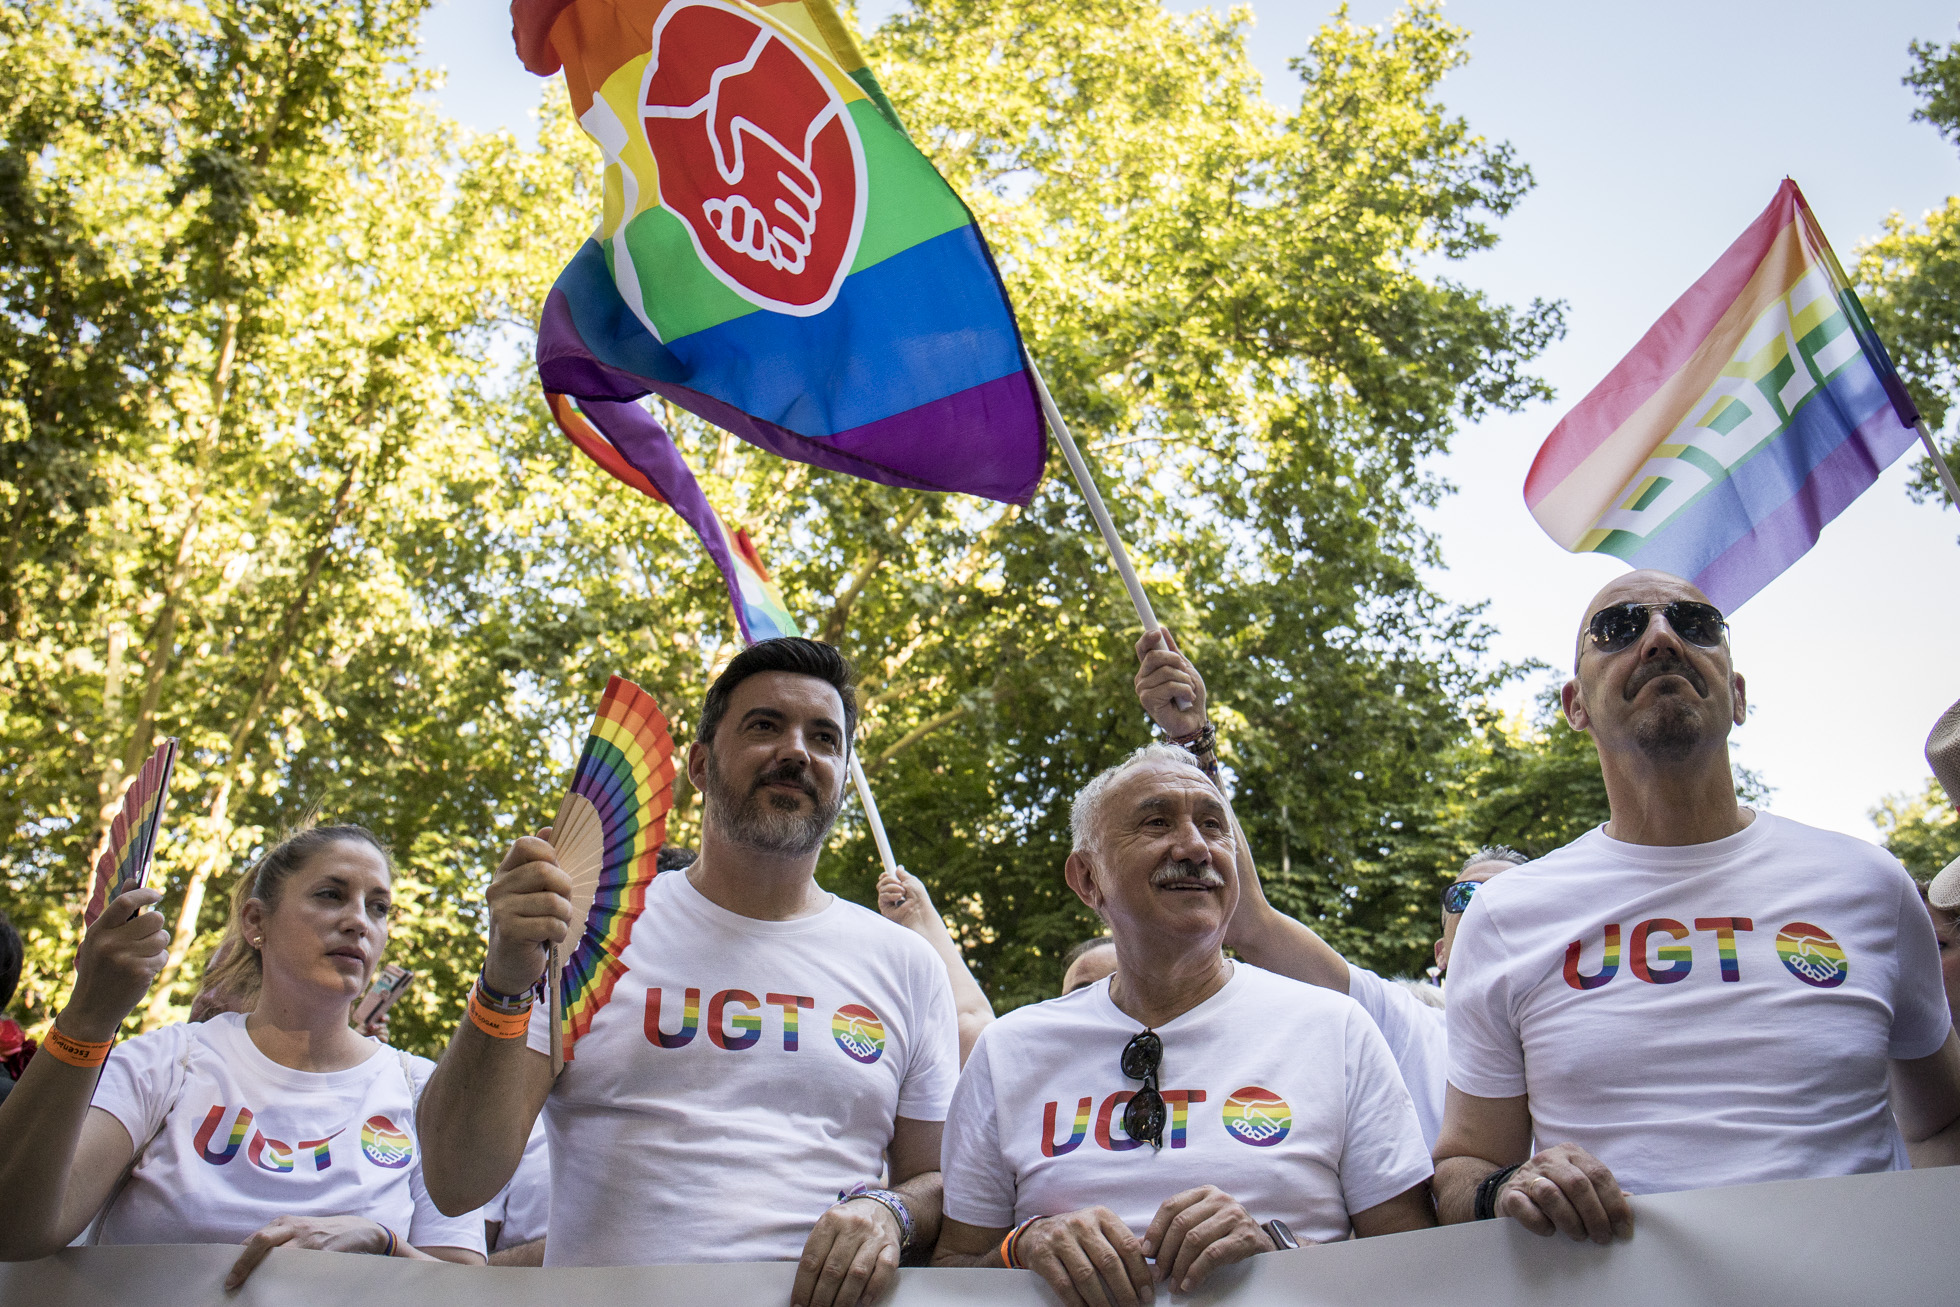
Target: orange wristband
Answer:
pixel 498 1025
pixel 75 1052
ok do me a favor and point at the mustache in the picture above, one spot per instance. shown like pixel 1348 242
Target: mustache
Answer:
pixel 1671 665
pixel 787 772
pixel 1181 869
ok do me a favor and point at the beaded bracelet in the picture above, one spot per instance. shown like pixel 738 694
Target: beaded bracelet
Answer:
pixel 75 1052
pixel 498 1025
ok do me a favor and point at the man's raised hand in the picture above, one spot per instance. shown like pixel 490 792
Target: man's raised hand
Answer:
pixel 1196 1232
pixel 530 909
pixel 1166 679
pixel 1089 1258
pixel 1566 1188
pixel 120 955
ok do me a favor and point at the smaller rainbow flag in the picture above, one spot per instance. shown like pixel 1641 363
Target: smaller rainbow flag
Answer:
pixel 1758 407
pixel 655 469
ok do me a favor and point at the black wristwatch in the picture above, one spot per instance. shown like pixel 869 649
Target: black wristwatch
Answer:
pixel 1281 1236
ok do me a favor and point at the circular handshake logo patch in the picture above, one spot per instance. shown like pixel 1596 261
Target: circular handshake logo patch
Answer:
pixel 758 155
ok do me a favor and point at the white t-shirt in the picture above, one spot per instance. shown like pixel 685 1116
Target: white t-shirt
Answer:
pixel 741 1073
pixel 1418 1038
pixel 245 1140
pixel 1281 1094
pixel 1706 1015
pixel 523 1207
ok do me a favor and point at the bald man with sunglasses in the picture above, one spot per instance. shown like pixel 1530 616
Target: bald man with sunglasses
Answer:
pixel 1695 994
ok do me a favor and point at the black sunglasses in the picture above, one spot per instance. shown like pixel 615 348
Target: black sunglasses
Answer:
pixel 1143 1115
pixel 1613 629
pixel 1457 897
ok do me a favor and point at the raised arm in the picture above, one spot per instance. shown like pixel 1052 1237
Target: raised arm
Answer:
pixel 902 897
pixel 478 1108
pixel 1259 933
pixel 59 1158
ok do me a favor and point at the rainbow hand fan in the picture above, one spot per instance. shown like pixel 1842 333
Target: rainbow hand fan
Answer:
pixel 607 833
pixel 125 864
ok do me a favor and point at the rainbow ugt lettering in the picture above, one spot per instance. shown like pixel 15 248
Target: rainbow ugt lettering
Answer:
pixel 202 1140
pixel 1725 929
pixel 1679 958
pixel 774 254
pixel 1609 964
pixel 1757 408
pixel 1049 1148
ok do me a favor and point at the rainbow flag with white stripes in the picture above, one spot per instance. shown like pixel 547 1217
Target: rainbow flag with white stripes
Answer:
pixel 1757 408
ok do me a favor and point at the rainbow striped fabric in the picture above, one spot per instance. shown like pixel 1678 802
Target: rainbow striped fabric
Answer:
pixel 626 770
pixel 1751 414
pixel 774 254
pixel 756 599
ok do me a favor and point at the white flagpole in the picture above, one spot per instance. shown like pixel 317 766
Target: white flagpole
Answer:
pixel 871 814
pixel 1939 462
pixel 1117 552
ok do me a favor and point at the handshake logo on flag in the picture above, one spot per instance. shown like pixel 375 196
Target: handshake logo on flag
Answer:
pixel 757 155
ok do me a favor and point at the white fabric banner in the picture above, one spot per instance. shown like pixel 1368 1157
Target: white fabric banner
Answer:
pixel 1892 1238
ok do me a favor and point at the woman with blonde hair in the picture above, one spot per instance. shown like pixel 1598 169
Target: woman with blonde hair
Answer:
pixel 278 1126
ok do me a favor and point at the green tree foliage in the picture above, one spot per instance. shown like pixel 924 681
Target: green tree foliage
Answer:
pixel 1921 830
pixel 318 524
pixel 1911 274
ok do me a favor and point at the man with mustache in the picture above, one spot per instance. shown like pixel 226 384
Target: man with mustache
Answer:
pixel 1695 994
pixel 1188 1109
pixel 764 1050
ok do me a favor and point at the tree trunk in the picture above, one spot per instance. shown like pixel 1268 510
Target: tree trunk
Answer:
pixel 218 812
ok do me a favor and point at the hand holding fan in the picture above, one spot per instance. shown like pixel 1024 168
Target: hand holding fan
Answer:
pixel 608 830
pixel 125 864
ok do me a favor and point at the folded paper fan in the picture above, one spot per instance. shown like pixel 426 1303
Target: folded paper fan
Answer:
pixel 608 831
pixel 125 864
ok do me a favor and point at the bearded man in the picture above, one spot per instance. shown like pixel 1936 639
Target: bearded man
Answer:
pixel 765 1049
pixel 1695 994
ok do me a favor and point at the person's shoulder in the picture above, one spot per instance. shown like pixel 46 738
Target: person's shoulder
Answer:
pixel 1080 1009
pixel 1295 996
pixel 1835 845
pixel 878 931
pixel 145 1054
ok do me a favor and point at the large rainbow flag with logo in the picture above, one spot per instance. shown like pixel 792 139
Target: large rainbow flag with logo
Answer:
pixel 774 254
pixel 1757 408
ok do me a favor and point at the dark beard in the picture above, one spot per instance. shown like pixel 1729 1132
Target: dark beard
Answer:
pixel 769 822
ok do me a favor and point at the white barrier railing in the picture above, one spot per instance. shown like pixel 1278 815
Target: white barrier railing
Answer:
pixel 1868 1239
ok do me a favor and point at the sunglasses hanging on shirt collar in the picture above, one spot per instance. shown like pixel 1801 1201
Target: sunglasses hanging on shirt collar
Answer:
pixel 1143 1115
pixel 1616 628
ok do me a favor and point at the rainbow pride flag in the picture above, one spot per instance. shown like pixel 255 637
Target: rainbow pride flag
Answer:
pixel 774 254
pixel 755 597
pixel 1757 408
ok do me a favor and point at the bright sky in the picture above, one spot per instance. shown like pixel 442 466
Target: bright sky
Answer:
pixel 1657 133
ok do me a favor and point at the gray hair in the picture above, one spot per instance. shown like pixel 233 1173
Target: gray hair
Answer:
pixel 1494 853
pixel 1082 813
